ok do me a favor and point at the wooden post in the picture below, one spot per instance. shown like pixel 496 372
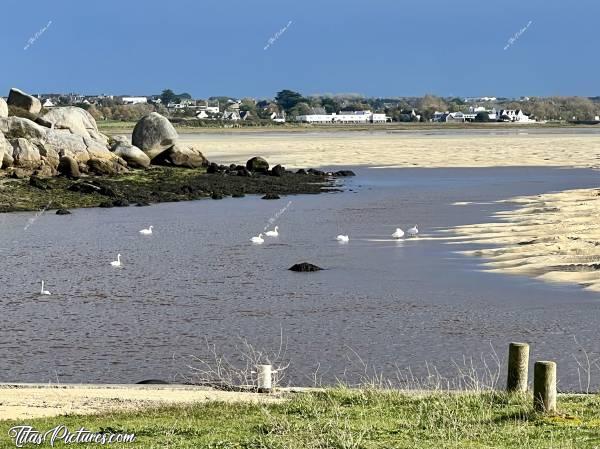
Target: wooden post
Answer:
pixel 518 367
pixel 264 378
pixel 544 387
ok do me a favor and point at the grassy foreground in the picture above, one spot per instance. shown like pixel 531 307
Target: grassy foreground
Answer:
pixel 342 418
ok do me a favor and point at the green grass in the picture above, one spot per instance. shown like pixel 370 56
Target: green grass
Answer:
pixel 341 418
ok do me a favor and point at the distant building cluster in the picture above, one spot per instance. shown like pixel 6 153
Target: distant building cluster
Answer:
pixel 485 114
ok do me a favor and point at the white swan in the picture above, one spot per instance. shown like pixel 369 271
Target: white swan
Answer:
pixel 116 263
pixel 147 231
pixel 398 234
pixel 274 233
pixel 343 238
pixel 258 240
pixel 412 232
pixel 44 292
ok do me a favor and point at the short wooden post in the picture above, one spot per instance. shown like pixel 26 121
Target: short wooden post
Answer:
pixel 544 387
pixel 518 367
pixel 264 378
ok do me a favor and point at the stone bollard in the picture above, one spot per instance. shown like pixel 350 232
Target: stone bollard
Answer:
pixel 544 387
pixel 518 367
pixel 264 378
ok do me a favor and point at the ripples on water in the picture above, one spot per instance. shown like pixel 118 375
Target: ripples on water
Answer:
pixel 396 304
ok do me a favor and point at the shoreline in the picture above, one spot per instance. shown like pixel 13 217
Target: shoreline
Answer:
pixel 156 185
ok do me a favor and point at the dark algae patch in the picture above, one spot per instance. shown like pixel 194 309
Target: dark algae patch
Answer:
pixel 156 185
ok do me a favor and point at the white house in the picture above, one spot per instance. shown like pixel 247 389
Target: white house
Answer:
pixel 514 115
pixel 134 100
pixel 231 115
pixel 277 118
pixel 202 114
pixel 345 117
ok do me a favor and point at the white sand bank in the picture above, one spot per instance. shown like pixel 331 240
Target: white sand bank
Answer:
pixel 401 150
pixel 554 237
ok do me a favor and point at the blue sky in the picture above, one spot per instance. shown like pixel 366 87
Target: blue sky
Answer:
pixel 370 47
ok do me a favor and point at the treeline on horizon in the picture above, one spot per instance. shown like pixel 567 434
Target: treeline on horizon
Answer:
pixel 293 103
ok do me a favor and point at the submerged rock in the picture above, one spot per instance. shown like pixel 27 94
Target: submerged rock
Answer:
pixel 344 173
pixel 305 267
pixel 63 212
pixel 271 196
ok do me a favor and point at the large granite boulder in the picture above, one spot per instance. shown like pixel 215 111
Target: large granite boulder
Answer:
pixel 131 154
pixel 257 164
pixel 154 134
pixel 3 108
pixel 181 156
pixel 25 101
pixel 25 154
pixel 77 121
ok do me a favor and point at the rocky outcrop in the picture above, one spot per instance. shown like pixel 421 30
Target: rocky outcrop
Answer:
pixel 154 134
pixel 181 156
pixel 67 132
pixel 77 121
pixel 24 101
pixel 3 108
pixel 131 154
pixel 257 164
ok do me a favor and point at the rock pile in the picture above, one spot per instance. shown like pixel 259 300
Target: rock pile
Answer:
pixel 66 141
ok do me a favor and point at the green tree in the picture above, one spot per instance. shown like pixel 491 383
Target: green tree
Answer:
pixel 167 96
pixel 482 117
pixel 288 99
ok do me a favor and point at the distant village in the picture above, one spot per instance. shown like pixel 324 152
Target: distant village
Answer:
pixel 290 106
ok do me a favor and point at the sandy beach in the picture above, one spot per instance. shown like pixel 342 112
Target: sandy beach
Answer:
pixel 25 401
pixel 553 237
pixel 302 150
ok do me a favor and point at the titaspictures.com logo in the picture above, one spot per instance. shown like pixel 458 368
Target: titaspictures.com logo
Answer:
pixel 26 435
